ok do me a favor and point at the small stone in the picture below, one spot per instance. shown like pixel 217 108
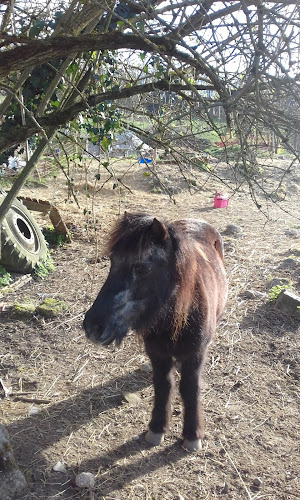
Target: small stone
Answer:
pixel 295 249
pixel 253 294
pixel 291 233
pixel 85 480
pixel 257 482
pixel 225 489
pixel 33 410
pixel 60 467
pixel 139 487
pixel 131 398
pixel 146 368
pixel 179 497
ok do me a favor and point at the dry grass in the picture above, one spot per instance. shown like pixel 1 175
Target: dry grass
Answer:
pixel 251 382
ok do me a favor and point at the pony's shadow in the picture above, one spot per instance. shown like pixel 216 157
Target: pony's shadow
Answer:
pixel 129 469
pixel 34 434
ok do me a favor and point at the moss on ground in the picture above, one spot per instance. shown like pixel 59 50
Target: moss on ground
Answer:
pixel 25 310
pixel 50 308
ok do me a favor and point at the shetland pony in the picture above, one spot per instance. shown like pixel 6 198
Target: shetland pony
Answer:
pixel 167 282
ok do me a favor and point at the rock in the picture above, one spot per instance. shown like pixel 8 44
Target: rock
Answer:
pixel 179 497
pixel 277 282
pixel 85 480
pixel 131 398
pixel 12 480
pixel 12 484
pixel 232 230
pixel 50 308
pixel 289 303
pixel 289 263
pixel 60 467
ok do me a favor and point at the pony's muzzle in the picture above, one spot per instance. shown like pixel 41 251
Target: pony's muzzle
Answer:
pixel 93 329
pixel 98 333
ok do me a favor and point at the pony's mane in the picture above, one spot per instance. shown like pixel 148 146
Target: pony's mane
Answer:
pixel 187 255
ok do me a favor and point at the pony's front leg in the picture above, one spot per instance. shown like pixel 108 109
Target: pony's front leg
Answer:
pixel 164 381
pixel 193 426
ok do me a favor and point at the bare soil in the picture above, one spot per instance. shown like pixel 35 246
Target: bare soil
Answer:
pixel 251 381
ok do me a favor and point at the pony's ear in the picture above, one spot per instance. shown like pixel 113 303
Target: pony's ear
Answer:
pixel 159 230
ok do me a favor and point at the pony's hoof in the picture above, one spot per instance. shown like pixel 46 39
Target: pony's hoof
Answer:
pixel 154 438
pixel 194 445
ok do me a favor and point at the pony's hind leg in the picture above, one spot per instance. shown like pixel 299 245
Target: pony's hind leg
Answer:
pixel 193 426
pixel 164 381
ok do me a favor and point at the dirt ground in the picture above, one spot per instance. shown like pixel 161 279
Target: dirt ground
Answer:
pixel 251 381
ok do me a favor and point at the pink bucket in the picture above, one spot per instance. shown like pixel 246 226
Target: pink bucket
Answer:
pixel 220 201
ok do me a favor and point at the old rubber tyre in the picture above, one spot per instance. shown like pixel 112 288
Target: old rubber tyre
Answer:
pixel 22 242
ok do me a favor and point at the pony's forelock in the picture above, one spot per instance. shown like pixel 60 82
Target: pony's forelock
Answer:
pixel 129 233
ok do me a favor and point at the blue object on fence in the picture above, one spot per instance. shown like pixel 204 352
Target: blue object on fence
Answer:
pixel 144 160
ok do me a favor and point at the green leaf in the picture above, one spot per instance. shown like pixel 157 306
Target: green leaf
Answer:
pixel 105 143
pixel 71 69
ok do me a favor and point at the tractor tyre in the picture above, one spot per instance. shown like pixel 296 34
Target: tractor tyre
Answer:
pixel 22 242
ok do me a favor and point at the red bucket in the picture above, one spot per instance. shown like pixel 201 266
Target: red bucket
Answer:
pixel 220 201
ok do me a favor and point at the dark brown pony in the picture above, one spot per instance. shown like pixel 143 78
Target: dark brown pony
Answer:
pixel 167 282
